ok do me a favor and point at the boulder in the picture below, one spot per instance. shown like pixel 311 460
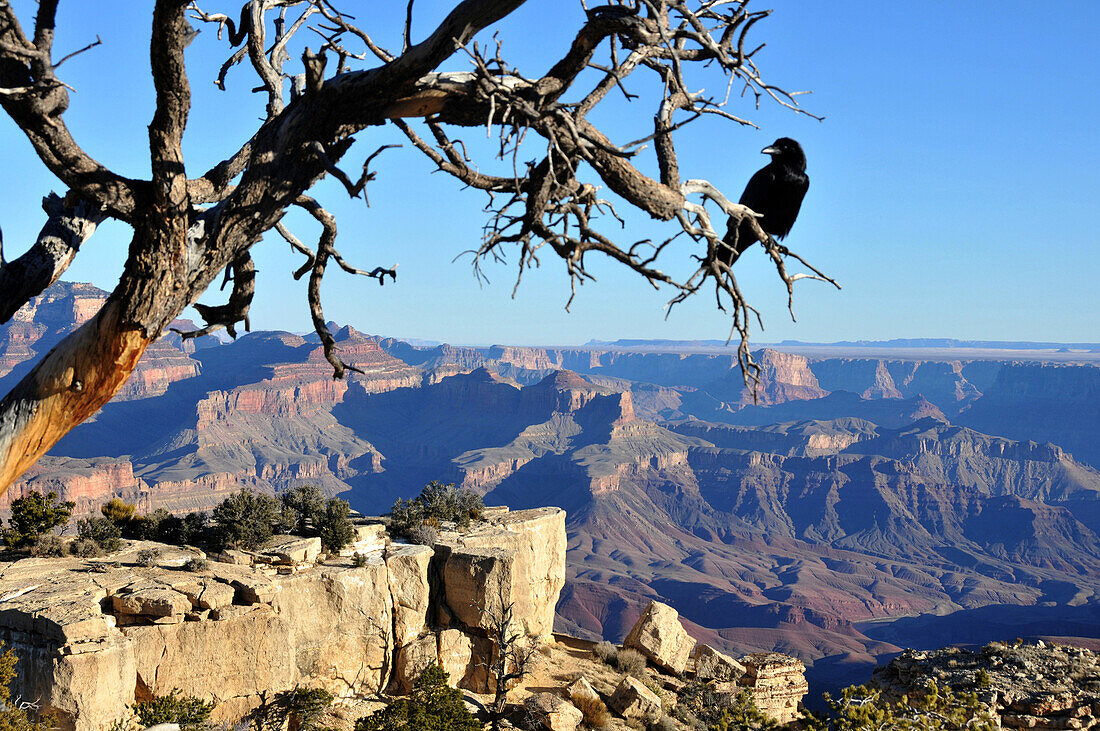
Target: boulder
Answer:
pixel 407 569
pixel 254 589
pixel 633 700
pixel 659 636
pixel 581 687
pixel 293 549
pixel 478 584
pixel 152 603
pixel 710 664
pixel 553 712
pixel 208 594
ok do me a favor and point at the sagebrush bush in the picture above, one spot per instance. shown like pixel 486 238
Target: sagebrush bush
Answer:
pixel 49 546
pixel 196 564
pixel 631 662
pixel 424 534
pixel 148 557
pixel 606 652
pixel 86 548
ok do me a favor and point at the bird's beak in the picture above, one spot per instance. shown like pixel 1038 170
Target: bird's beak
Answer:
pixel 769 150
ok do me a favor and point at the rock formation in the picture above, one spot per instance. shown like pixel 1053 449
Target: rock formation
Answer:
pixel 96 635
pixel 1037 686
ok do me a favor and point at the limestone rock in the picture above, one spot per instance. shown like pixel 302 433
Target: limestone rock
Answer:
pixel 553 712
pixel 369 537
pixel 633 700
pixel 659 636
pixel 413 659
pixel 456 652
pixel 538 541
pixel 407 569
pixel 478 584
pixel 254 589
pixel 710 664
pixel 293 549
pixel 152 603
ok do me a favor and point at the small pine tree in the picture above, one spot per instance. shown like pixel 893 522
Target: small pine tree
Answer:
pixel 302 506
pixel 244 519
pixel 334 526
pixel 432 706
pixel 33 516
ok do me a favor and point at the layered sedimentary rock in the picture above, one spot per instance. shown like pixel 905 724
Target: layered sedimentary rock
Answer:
pixel 95 636
pixel 777 682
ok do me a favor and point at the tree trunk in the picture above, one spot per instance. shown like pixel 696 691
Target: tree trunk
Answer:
pixel 75 379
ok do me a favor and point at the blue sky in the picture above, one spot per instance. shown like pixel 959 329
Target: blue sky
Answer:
pixel 953 184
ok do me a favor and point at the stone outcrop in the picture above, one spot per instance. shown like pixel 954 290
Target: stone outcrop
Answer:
pixel 94 636
pixel 633 700
pixel 777 683
pixel 659 636
pixel 1036 686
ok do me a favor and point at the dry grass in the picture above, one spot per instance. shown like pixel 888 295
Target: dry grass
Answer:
pixel 596 715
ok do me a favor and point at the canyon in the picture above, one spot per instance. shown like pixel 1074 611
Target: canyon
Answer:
pixel 846 507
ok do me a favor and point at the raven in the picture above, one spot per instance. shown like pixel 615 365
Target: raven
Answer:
pixel 776 191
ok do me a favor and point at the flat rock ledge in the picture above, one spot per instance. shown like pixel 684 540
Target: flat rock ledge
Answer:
pixel 94 636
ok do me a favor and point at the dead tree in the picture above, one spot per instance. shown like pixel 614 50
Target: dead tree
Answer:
pixel 190 227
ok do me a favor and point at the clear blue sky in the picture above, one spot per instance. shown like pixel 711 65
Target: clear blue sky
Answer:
pixel 954 187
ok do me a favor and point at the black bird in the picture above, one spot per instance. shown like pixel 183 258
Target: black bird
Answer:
pixel 776 191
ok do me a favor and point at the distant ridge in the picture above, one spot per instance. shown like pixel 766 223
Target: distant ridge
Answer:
pixel 894 343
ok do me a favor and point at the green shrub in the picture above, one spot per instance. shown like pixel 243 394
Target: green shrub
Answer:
pixel 117 511
pixel 196 564
pixel 334 525
pixel 435 504
pixel 190 713
pixel 932 708
pixel 13 715
pixel 35 515
pixel 147 527
pixel 244 519
pixel 103 531
pixel 359 560
pixel 432 706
